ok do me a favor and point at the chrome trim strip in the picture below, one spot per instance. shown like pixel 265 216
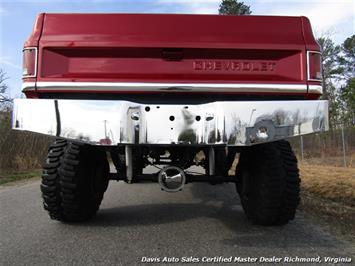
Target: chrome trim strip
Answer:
pixel 36 59
pixel 232 123
pixel 315 89
pixel 194 87
pixel 28 86
pixel 308 74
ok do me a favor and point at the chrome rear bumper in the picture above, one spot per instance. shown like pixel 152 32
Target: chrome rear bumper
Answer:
pixel 237 123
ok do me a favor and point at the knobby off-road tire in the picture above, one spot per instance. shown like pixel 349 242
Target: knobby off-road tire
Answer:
pixel 268 183
pixel 75 177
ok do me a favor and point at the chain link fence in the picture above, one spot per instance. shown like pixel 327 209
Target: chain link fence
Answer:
pixel 334 148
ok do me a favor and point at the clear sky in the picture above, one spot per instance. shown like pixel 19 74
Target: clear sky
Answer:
pixel 17 18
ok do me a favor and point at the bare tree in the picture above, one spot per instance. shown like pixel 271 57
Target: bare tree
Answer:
pixel 4 99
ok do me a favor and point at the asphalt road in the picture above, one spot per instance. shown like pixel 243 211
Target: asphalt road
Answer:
pixel 139 220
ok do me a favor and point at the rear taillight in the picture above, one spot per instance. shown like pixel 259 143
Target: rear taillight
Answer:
pixel 29 62
pixel 314 66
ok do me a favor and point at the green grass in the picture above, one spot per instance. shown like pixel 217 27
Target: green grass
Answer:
pixel 8 177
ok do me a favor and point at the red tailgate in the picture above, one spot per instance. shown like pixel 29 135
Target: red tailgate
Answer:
pixel 171 48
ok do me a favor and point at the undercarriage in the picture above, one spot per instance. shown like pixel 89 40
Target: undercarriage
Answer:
pixel 173 167
pixel 76 175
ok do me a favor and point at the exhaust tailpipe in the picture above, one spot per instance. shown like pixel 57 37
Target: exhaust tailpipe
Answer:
pixel 171 179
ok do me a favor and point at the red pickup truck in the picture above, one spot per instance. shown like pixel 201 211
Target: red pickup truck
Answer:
pixel 171 92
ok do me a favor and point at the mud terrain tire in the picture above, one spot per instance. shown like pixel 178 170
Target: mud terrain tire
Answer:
pixel 75 177
pixel 268 183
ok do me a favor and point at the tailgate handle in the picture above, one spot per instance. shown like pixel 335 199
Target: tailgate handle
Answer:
pixel 172 54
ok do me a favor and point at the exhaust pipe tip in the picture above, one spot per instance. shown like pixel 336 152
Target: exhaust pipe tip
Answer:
pixel 172 179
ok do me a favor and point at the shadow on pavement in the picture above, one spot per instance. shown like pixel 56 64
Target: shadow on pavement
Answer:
pixel 221 203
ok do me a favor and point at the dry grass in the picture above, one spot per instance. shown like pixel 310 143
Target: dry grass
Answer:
pixel 329 160
pixel 10 177
pixel 328 197
pixel 332 183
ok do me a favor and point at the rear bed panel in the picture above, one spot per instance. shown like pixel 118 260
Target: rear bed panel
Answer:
pixel 170 49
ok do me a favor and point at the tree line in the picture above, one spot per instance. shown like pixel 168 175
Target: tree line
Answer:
pixel 339 79
pixel 5 100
